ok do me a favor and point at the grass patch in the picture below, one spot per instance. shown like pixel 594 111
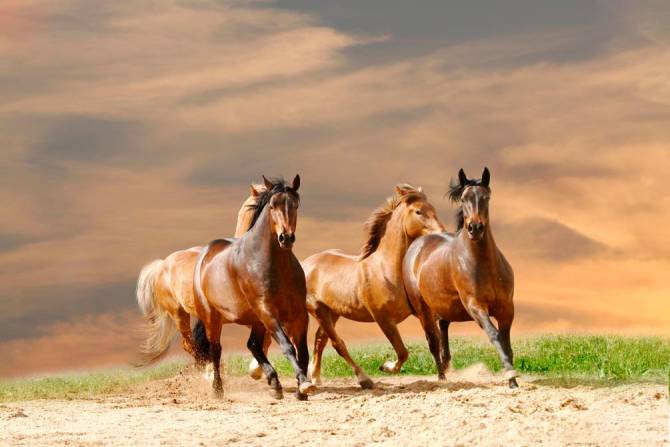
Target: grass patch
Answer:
pixel 596 358
pixel 84 384
pixel 560 360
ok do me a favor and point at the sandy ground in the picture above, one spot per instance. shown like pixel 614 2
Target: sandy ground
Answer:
pixel 472 408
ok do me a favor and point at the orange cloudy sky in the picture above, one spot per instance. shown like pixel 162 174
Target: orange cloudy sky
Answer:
pixel 132 129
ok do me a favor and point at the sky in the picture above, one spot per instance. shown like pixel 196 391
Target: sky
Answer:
pixel 132 129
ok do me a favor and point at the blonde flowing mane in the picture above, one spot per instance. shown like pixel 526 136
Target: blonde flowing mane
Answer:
pixel 375 226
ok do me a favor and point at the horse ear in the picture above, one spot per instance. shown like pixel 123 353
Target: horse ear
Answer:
pixel 255 189
pixel 462 179
pixel 268 183
pixel 296 183
pixel 401 189
pixel 486 177
pixel 420 189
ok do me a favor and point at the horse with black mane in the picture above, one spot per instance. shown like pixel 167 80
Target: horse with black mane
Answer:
pixel 462 277
pixel 257 281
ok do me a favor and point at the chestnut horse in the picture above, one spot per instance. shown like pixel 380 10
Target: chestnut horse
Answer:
pixel 257 281
pixel 165 294
pixel 463 277
pixel 368 287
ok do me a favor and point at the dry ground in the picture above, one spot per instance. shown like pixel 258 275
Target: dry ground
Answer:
pixel 472 408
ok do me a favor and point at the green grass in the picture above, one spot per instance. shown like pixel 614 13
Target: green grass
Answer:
pixel 598 358
pixel 84 384
pixel 557 359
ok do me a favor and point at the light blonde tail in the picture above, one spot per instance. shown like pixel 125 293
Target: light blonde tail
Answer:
pixel 159 327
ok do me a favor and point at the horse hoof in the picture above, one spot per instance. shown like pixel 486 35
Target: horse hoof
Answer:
pixel 366 384
pixel 255 371
pixel 513 384
pixel 217 392
pixel 389 367
pixel 306 388
pixel 441 377
pixel 277 394
pixel 301 396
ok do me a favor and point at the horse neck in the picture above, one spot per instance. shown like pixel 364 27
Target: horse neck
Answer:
pixel 261 240
pixel 394 242
pixel 483 250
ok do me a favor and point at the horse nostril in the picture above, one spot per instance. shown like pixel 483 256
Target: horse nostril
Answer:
pixel 292 237
pixel 471 228
pixel 282 238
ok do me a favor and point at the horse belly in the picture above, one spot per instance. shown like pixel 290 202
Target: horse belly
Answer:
pixel 445 304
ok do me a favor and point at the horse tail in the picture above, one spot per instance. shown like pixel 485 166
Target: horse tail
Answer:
pixel 159 328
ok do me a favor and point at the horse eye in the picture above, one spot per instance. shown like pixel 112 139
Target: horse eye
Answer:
pixel 418 212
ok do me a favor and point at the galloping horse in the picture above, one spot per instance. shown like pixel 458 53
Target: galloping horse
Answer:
pixel 257 281
pixel 165 294
pixel 463 277
pixel 368 287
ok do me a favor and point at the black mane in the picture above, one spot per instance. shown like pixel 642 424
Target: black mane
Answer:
pixel 456 191
pixel 278 186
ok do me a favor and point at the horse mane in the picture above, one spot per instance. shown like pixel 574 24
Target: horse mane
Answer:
pixel 455 192
pixel 375 226
pixel 279 185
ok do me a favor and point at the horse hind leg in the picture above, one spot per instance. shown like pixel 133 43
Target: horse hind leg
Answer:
pixel 213 336
pixel 256 344
pixel 255 369
pixel 444 345
pixel 183 321
pixel 320 342
pixel 323 316
pixel 391 331
pixel 427 321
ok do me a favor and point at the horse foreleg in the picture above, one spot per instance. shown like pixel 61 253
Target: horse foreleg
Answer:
pixel 484 321
pixel 444 343
pixel 507 347
pixel 305 387
pixel 256 344
pixel 320 342
pixel 391 331
pixel 255 369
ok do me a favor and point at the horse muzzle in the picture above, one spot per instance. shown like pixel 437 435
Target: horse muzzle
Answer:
pixel 286 240
pixel 475 230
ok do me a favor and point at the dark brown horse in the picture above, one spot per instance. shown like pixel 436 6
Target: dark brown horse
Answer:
pixel 463 277
pixel 257 281
pixel 368 287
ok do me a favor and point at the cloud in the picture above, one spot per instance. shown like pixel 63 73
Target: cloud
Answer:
pixel 138 128
pixel 549 240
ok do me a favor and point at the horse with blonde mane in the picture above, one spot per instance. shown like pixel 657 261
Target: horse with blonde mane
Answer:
pixel 369 287
pixel 165 295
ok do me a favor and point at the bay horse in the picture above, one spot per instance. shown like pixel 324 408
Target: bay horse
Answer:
pixel 368 287
pixel 463 277
pixel 165 294
pixel 257 281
